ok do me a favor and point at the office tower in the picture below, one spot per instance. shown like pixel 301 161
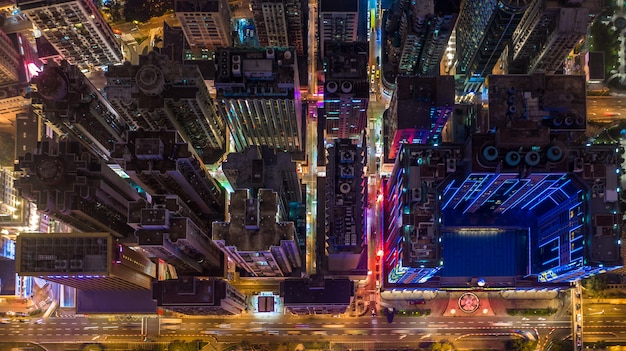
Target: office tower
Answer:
pixel 206 23
pixel 263 168
pixel 199 296
pixel 28 131
pixel 167 230
pixel 418 111
pixel 7 249
pixel 338 22
pixel 525 188
pixel 279 23
pixel 483 29
pixel 173 224
pixel 346 199
pixel 9 60
pixel 258 95
pixel 87 261
pixel 18 62
pixel 161 94
pixel 546 35
pixel 69 184
pixel 69 104
pixel 14 210
pixel 423 29
pixel 162 164
pixel 13 20
pixel 259 244
pixel 317 295
pixel 76 29
pixel 346 91
pixel 14 100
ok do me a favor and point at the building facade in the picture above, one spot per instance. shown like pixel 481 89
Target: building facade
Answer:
pixel 9 61
pixel 69 184
pixel 522 187
pixel 346 90
pixel 258 95
pixel 546 35
pixel 70 104
pixel 259 244
pixel 86 261
pixel 161 93
pixel 345 187
pixel 264 168
pixel 425 28
pixel 76 29
pixel 199 296
pixel 483 30
pixel 418 112
pixel 206 23
pixel 279 23
pixel 338 22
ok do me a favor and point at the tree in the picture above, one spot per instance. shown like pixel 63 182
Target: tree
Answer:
pixel 443 345
pixel 143 10
pixel 596 285
pixel 520 345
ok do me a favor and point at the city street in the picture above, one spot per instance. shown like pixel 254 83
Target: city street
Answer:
pixel 403 330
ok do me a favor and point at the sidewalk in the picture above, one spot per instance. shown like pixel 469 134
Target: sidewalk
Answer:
pixel 489 304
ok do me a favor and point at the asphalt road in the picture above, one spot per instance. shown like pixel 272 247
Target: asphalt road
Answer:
pixel 403 330
pixel 606 108
pixel 603 321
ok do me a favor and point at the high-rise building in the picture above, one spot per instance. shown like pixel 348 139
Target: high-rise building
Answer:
pixel 76 29
pixel 424 28
pixel 9 61
pixel 546 35
pixel 206 23
pixel 259 244
pixel 523 187
pixel 264 168
pixel 483 30
pixel 338 22
pixel 317 295
pixel 71 185
pixel 346 91
pixel 162 164
pixel 258 95
pixel 18 62
pixel 346 200
pixel 418 111
pixel 159 93
pixel 199 295
pixel 70 104
pixel 279 23
pixel 87 261
pixel 28 131
pixel 167 229
pixel 14 210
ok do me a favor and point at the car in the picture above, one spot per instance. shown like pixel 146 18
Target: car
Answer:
pixel 377 73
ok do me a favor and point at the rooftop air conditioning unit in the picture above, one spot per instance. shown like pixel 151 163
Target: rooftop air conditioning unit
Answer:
pixel 416 194
pixel 236 70
pixel 346 87
pixel 332 87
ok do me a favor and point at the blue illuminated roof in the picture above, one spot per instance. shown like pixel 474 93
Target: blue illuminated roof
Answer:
pixel 484 252
pixel 498 193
